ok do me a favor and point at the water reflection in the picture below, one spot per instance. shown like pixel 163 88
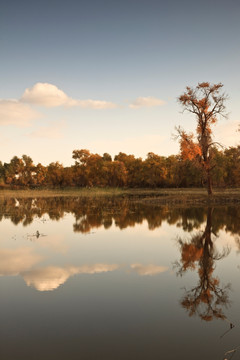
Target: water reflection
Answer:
pixel 92 213
pixel 209 296
pixel 15 261
pixel 51 277
pixel 199 252
pixel 114 292
pixel 150 269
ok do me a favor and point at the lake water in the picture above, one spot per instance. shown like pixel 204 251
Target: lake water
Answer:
pixel 117 279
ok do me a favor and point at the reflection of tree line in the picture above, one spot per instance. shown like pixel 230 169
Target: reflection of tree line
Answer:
pixel 96 212
pixel 92 213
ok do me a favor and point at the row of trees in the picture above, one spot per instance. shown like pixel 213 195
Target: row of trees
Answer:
pixel 200 160
pixel 124 170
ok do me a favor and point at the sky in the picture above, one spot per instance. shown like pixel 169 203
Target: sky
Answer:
pixel 105 75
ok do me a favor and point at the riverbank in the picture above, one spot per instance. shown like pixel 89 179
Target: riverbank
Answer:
pixel 149 196
pixel 195 197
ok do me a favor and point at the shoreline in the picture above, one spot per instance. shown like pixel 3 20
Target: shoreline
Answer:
pixel 183 196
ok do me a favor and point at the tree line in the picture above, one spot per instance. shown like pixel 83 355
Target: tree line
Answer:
pixel 201 160
pixel 123 171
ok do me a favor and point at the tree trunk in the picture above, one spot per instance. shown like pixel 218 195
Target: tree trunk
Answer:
pixel 209 183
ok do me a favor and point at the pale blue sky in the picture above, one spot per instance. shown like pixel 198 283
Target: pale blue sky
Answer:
pixel 114 52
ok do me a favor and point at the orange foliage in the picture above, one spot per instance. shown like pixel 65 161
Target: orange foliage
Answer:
pixel 190 254
pixel 189 149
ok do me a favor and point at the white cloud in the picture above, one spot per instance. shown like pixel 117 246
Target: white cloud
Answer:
pixel 12 112
pixel 146 102
pixel 96 104
pixel 148 269
pixel 49 95
pixel 45 94
pixel 51 277
pixel 52 131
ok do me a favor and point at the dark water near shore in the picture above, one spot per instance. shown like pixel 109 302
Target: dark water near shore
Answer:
pixel 115 279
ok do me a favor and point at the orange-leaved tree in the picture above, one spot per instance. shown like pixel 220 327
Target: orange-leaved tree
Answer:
pixel 207 103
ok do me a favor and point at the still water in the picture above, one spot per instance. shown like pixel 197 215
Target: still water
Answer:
pixel 117 279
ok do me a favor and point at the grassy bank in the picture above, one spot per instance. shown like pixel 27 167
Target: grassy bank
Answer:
pixel 84 192
pixel 195 197
pixel 151 196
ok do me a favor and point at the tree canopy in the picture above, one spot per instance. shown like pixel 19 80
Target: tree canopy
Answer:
pixel 124 171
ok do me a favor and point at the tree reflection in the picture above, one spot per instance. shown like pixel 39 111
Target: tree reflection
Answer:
pixel 123 212
pixel 207 298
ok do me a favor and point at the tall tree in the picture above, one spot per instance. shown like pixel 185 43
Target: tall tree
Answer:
pixel 207 103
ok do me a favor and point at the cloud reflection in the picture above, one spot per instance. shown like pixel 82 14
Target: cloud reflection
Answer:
pixel 51 277
pixel 22 261
pixel 149 270
pixel 15 261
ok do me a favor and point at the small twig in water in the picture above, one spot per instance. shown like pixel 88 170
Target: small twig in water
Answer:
pixel 231 327
pixel 232 352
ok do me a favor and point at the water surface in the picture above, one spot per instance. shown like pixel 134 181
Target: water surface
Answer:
pixel 116 279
